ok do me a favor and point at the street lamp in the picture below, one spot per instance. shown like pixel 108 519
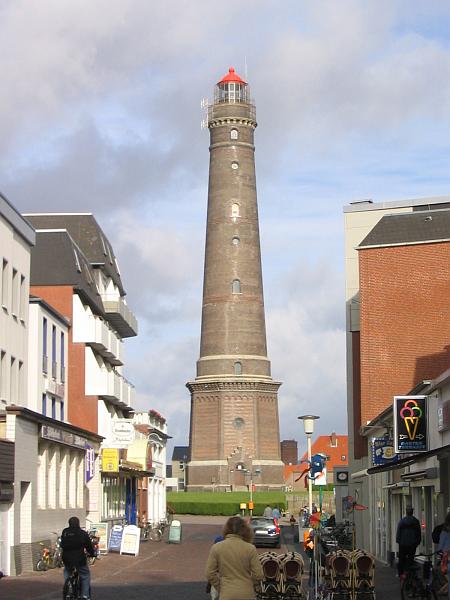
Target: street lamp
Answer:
pixel 308 424
pixel 257 472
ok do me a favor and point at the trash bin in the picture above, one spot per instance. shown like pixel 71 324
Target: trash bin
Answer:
pixel 175 532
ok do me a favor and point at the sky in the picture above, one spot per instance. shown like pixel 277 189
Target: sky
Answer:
pixel 100 112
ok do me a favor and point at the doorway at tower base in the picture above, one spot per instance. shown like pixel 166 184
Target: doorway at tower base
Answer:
pixel 216 475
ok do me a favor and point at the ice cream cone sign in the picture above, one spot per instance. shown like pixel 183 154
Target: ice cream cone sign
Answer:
pixel 411 414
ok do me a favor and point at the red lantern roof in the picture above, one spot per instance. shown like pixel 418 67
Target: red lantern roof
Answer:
pixel 232 76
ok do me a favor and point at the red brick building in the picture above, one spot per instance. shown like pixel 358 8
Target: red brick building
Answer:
pixel 405 330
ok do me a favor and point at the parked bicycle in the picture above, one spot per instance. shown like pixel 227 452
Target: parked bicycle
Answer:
pixel 95 539
pixel 419 580
pixel 153 531
pixel 50 557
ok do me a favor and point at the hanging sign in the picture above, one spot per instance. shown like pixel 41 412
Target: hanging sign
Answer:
pixel 90 463
pixel 383 451
pixel 410 424
pixel 110 460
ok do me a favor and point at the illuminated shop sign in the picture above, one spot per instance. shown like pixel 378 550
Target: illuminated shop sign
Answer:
pixel 410 424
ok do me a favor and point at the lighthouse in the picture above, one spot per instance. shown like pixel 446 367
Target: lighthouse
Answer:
pixel 234 437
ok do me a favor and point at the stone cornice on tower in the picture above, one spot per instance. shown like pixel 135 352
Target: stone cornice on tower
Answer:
pixel 242 385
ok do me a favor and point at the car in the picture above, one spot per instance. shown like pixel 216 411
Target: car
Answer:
pixel 266 531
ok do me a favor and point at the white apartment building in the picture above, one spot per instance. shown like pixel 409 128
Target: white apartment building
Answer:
pixel 16 239
pixel 155 427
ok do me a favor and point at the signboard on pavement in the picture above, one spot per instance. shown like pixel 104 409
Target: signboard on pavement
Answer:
pixel 101 530
pixel 115 538
pixel 130 540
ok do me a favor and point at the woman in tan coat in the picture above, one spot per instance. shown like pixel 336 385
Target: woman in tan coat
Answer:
pixel 233 566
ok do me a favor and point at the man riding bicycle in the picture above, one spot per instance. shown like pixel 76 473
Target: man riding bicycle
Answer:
pixel 75 543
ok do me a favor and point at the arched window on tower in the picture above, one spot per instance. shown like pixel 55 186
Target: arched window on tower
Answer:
pixel 235 210
pixel 238 368
pixel 234 134
pixel 236 286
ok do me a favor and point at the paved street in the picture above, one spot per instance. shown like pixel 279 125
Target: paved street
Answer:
pixel 162 571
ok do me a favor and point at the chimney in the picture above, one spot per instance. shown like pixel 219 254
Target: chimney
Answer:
pixel 333 440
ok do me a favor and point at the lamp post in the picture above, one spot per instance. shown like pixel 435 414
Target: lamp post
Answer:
pixel 257 472
pixel 308 424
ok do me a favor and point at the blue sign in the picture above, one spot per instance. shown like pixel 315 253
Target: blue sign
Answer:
pixel 383 451
pixel 115 539
pixel 89 463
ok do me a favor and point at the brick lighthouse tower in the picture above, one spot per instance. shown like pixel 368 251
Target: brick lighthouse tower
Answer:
pixel 234 429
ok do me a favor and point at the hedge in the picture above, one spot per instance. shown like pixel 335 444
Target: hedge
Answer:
pixel 216 503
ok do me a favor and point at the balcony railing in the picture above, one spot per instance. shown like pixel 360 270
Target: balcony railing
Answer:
pixel 119 315
pixel 116 388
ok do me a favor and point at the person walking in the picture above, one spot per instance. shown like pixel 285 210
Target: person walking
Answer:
pixel 233 567
pixel 276 513
pixel 444 547
pixel 409 535
pixel 268 512
pixel 75 542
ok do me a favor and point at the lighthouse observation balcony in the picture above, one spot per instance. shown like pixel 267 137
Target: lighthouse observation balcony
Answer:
pixel 232 111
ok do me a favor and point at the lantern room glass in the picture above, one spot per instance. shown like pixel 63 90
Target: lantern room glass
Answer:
pixel 232 92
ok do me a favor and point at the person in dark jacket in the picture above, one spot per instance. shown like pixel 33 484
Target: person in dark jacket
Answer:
pixel 409 535
pixel 76 544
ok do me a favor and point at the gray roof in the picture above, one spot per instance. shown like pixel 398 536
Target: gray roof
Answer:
pixel 57 260
pixel 16 220
pixel 414 203
pixel 410 228
pixel 87 234
pixel 180 453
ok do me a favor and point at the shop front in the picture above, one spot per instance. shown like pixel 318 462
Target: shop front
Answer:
pixel 121 479
pixel 6 500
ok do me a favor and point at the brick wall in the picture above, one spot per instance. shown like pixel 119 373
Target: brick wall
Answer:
pixel 82 410
pixel 405 329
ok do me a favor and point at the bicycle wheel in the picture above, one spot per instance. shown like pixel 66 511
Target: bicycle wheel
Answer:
pixel 156 535
pixel 408 588
pixel 70 591
pixel 41 565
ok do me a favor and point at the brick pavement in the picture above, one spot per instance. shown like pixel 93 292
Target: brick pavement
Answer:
pixel 161 571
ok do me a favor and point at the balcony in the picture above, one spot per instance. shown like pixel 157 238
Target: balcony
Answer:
pixel 119 315
pixel 116 389
pixel 101 338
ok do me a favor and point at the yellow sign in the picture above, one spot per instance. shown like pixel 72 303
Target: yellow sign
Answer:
pixel 242 505
pixel 110 460
pixel 251 505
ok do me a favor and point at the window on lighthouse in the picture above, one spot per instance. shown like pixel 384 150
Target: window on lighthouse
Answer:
pixel 234 134
pixel 236 286
pixel 238 368
pixel 235 210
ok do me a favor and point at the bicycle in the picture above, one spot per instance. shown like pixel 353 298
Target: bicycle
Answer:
pixel 418 581
pixel 72 586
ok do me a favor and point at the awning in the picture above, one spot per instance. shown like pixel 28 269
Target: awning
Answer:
pixel 409 460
